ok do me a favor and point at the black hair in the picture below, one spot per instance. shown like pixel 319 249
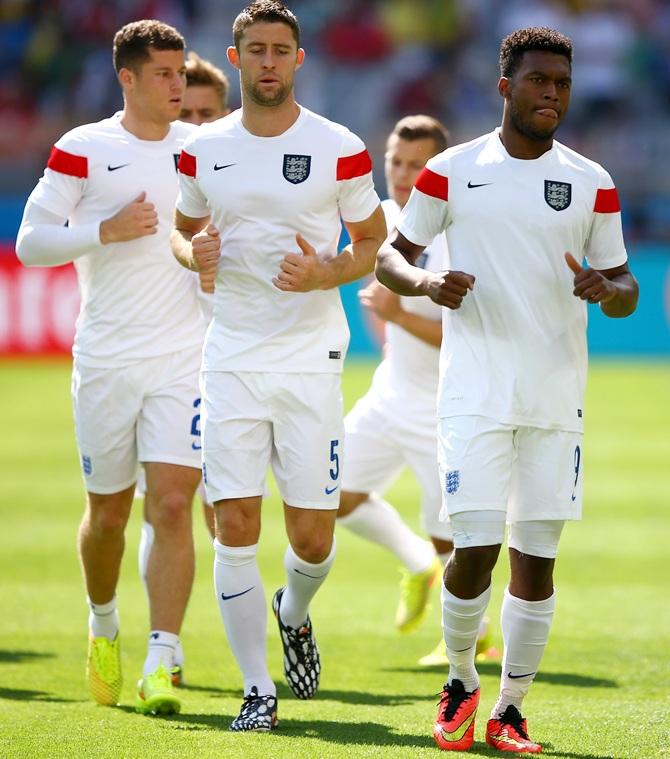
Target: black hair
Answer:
pixel 521 41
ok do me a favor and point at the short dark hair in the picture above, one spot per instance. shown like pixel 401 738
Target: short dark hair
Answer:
pixel 521 41
pixel 420 127
pixel 202 73
pixel 132 42
pixel 271 11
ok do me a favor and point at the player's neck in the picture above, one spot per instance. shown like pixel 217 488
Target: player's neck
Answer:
pixel 520 146
pixel 143 127
pixel 263 121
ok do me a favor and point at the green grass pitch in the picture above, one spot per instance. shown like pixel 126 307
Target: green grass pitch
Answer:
pixel 603 689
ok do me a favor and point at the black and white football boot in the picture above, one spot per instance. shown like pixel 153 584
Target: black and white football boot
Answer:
pixel 302 665
pixel 258 714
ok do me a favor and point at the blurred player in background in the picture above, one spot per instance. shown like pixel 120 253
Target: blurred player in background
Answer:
pixel 206 96
pixel 137 346
pixel 262 195
pixel 520 212
pixel 395 424
pixel 205 100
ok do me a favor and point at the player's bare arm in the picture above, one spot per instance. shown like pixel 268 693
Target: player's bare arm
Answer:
pixel 136 219
pixel 395 269
pixel 386 305
pixel 616 289
pixel 196 244
pixel 302 272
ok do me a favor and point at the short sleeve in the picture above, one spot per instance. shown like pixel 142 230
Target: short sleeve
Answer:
pixel 190 200
pixel 426 213
pixel 605 248
pixel 356 194
pixel 64 180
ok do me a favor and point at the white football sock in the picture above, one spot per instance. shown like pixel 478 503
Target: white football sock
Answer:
pixel 144 551
pixel 525 629
pixel 241 600
pixel 377 521
pixel 461 619
pixel 103 619
pixel 162 646
pixel 178 659
pixel 302 581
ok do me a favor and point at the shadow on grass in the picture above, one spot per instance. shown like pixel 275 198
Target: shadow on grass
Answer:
pixel 493 668
pixel 213 689
pixel 16 657
pixel 343 696
pixel 357 697
pixel 18 694
pixel 343 733
pixel 481 749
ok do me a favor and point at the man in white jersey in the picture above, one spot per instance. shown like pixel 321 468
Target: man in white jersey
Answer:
pixel 395 424
pixel 137 345
pixel 520 212
pixel 261 196
pixel 205 99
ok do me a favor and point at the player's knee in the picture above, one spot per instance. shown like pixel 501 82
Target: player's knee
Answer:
pixel 171 511
pixel 312 548
pixel 476 562
pixel 106 522
pixel 236 527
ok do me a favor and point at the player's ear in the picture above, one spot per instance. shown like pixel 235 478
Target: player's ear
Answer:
pixel 504 87
pixel 300 58
pixel 126 77
pixel 233 56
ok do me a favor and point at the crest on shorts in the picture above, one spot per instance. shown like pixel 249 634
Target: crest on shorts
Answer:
pixel 557 194
pixel 453 481
pixel 296 167
pixel 87 464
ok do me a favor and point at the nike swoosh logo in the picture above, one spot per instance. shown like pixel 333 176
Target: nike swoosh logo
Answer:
pixel 224 166
pixel 461 730
pixel 516 677
pixel 483 184
pixel 114 168
pixel 329 491
pixel 236 595
pixel 313 577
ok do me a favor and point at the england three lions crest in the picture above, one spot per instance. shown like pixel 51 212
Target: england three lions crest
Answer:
pixel 557 194
pixel 296 167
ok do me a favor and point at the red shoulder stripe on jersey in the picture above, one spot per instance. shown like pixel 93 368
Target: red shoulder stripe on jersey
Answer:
pixel 68 163
pixel 607 201
pixel 351 166
pixel 433 184
pixel 187 164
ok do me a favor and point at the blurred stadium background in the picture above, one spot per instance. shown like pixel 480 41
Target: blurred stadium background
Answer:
pixel 369 62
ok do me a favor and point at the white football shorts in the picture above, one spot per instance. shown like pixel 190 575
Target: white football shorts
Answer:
pixel 147 411
pixel 380 444
pixel 528 472
pixel 293 422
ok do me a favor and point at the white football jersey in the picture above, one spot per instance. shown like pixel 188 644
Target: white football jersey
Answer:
pixel 261 191
pixel 515 350
pixel 137 301
pixel 407 378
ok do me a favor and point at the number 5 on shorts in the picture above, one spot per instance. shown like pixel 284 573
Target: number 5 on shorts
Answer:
pixel 334 472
